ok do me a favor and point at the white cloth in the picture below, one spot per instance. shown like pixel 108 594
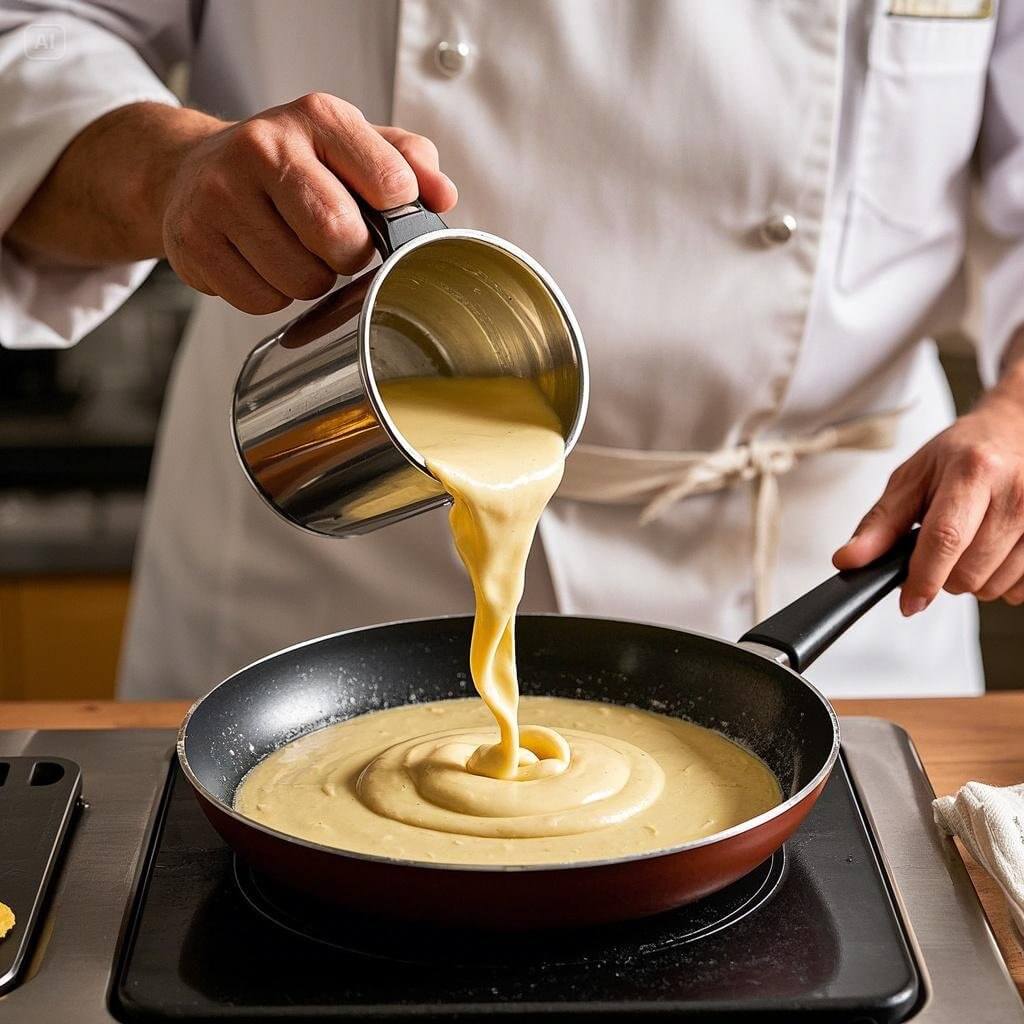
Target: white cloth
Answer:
pixel 990 822
pixel 635 150
pixel 47 98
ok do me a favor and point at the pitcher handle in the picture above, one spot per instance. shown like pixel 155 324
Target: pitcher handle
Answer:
pixel 391 229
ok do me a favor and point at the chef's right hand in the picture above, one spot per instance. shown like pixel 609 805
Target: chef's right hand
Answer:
pixel 262 212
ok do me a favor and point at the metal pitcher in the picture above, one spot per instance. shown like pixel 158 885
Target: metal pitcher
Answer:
pixel 311 430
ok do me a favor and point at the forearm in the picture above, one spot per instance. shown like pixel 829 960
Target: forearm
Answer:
pixel 103 200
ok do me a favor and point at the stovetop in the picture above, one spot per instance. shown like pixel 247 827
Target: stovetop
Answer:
pixel 152 919
pixel 819 933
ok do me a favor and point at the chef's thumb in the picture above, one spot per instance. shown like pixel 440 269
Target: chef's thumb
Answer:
pixel 888 519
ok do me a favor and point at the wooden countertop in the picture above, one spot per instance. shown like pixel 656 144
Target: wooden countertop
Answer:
pixel 958 739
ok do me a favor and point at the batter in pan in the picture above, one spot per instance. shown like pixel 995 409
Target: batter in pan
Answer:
pixel 394 783
pixel 575 780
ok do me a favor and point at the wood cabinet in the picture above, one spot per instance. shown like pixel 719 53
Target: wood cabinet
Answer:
pixel 60 636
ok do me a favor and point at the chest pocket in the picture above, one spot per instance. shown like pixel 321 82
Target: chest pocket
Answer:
pixel 919 121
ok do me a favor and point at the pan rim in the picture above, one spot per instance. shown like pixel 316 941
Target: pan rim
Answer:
pixel 718 837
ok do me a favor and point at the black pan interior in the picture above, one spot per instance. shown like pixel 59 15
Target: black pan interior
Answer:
pixel 760 704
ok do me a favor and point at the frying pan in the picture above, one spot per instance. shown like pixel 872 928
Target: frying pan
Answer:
pixel 751 691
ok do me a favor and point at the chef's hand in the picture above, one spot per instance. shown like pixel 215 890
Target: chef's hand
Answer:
pixel 966 489
pixel 261 212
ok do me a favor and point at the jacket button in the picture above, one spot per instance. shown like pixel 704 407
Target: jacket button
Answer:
pixel 779 229
pixel 452 58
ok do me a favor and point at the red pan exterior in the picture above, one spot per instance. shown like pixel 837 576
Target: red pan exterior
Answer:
pixel 517 899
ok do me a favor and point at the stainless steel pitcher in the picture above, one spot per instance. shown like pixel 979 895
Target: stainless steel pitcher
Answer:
pixel 311 431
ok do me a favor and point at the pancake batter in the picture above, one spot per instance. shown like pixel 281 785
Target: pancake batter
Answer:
pixel 637 782
pixel 497 447
pixel 428 782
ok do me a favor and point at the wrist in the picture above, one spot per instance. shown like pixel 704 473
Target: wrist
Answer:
pixel 1007 395
pixel 162 137
pixel 103 201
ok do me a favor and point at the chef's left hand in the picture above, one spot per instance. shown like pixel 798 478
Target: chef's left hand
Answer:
pixel 966 489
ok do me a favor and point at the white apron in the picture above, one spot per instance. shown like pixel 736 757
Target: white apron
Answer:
pixel 637 150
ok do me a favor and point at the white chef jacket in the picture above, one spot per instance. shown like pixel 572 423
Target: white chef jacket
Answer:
pixel 636 150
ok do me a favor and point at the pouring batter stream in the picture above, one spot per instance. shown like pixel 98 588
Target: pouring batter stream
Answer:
pixel 496 445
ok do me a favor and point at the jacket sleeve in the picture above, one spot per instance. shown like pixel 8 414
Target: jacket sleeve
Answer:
pixel 1001 158
pixel 61 68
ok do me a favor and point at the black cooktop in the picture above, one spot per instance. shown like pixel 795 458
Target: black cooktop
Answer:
pixel 812 934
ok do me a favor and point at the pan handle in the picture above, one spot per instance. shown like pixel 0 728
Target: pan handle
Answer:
pixel 808 626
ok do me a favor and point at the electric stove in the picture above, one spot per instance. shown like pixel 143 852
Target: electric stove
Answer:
pixel 145 915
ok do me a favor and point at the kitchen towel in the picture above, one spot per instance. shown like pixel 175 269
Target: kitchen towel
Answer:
pixel 990 822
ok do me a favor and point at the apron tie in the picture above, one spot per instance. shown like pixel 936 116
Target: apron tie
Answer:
pixel 658 479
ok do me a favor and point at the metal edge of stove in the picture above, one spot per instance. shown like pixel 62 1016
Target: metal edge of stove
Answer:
pixel 963 971
pixel 964 975
pixel 79 936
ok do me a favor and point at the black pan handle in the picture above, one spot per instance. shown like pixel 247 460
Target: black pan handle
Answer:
pixel 391 229
pixel 810 625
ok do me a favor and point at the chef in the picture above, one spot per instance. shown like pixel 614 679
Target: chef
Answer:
pixel 757 211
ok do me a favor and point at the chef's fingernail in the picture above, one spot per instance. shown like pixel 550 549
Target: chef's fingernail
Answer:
pixel 913 605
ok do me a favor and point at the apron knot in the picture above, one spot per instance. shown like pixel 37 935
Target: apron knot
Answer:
pixel 657 480
pixel 774 457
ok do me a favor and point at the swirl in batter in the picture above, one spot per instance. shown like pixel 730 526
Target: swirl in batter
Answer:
pixel 636 782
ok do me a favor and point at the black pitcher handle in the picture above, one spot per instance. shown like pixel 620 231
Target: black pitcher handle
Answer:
pixel 391 229
pixel 808 626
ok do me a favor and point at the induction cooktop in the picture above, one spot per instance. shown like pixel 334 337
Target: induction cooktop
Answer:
pixel 866 915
